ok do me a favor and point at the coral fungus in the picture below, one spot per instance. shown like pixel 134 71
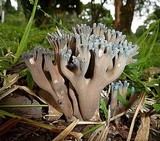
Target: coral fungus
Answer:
pixel 80 66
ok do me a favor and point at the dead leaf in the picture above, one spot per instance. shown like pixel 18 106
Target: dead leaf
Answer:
pixel 9 81
pixel 53 114
pixel 7 92
pixel 143 131
pixel 67 131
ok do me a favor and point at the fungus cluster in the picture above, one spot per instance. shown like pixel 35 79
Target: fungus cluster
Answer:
pixel 80 66
pixel 120 89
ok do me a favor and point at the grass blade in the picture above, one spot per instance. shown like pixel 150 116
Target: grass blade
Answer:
pixel 23 43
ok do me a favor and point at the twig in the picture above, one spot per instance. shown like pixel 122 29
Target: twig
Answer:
pixel 135 115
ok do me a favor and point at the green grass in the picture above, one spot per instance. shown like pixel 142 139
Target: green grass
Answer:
pixel 149 56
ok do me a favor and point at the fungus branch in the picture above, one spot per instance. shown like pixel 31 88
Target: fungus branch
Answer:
pixel 122 104
pixel 34 61
pixel 56 87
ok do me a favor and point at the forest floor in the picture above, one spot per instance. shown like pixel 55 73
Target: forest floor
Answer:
pixel 19 129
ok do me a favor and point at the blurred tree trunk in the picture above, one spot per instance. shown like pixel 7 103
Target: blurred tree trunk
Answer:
pixel 19 8
pixel 124 15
